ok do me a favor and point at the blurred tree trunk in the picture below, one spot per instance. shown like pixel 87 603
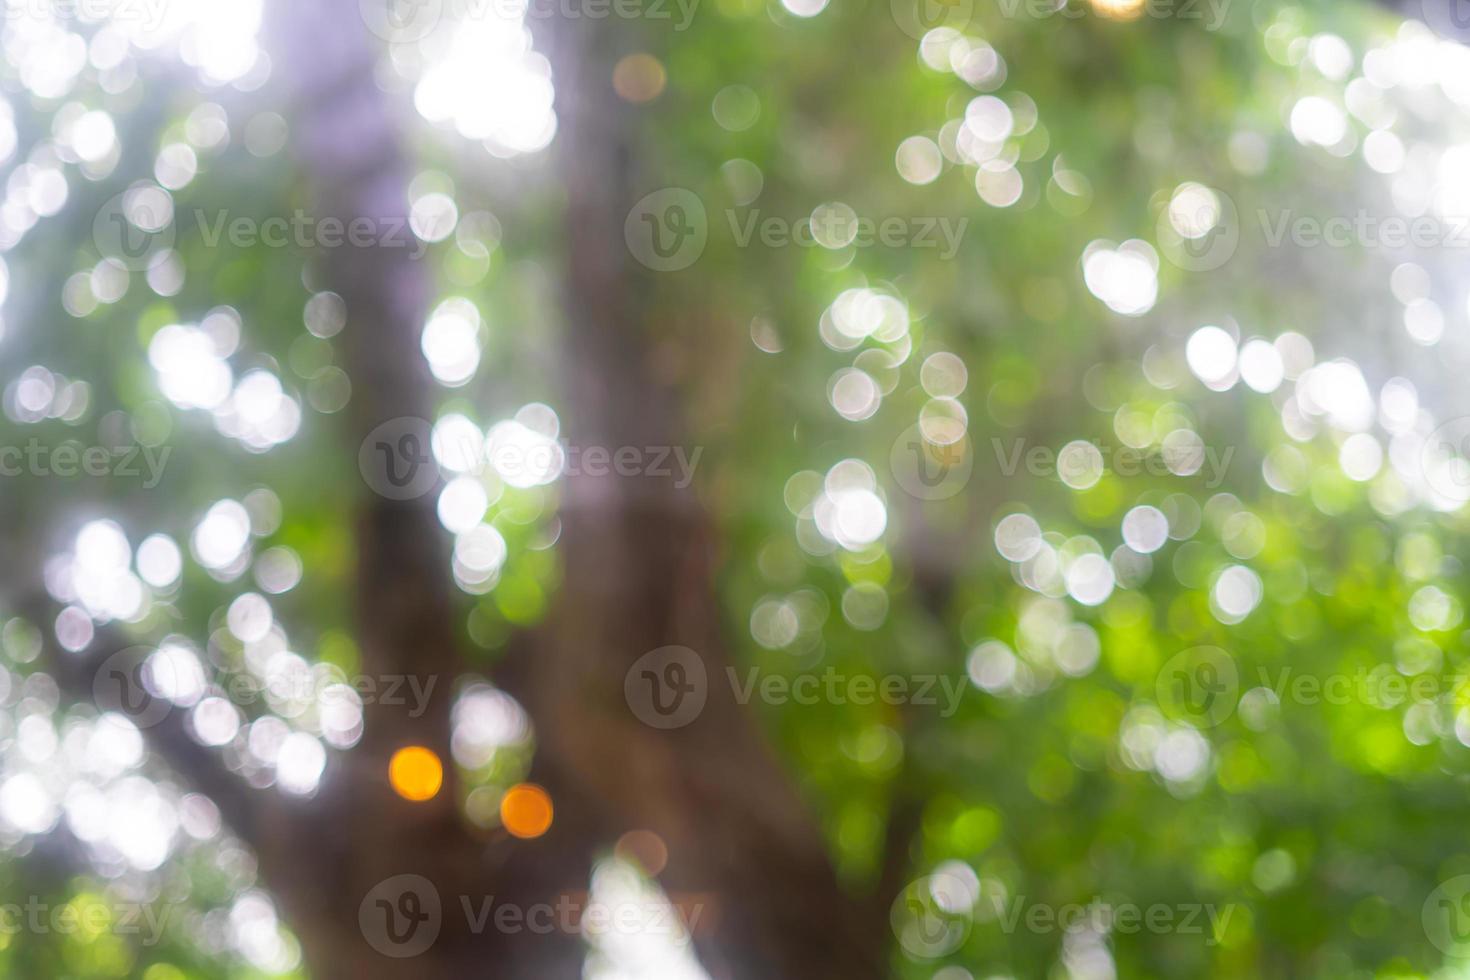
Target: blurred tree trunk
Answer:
pixel 357 832
pixel 639 559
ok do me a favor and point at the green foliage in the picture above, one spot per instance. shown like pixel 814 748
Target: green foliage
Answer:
pixel 1322 824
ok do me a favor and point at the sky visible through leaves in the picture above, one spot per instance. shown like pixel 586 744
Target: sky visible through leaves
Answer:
pixel 1077 390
